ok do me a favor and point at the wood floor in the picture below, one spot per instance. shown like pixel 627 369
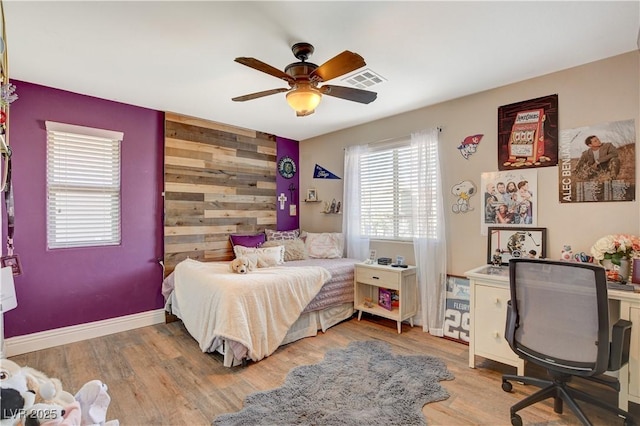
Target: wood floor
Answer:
pixel 157 375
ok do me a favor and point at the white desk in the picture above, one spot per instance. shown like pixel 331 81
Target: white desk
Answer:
pixel 489 293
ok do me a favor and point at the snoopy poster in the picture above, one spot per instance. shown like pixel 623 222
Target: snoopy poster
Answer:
pixel 463 191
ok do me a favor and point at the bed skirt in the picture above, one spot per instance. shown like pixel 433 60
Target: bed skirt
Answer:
pixel 307 325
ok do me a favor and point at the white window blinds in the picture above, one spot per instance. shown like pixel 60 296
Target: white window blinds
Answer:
pixel 83 186
pixel 385 179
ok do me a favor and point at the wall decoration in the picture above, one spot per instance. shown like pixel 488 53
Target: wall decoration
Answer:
pixel 286 167
pixel 312 195
pixel 457 317
pixel 528 134
pixel 469 145
pixel 203 208
pixel 320 172
pixel 597 163
pixel 464 191
pixel 282 199
pixel 510 199
pixel 516 243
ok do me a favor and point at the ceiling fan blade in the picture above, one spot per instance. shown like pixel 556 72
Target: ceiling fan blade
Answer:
pixel 266 68
pixel 349 93
pixel 338 65
pixel 258 95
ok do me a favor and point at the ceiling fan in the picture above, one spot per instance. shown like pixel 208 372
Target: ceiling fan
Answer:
pixel 304 94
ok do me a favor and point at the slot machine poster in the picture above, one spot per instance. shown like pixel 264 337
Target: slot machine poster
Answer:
pixel 528 134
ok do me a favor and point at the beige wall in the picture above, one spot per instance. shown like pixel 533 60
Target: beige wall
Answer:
pixel 599 92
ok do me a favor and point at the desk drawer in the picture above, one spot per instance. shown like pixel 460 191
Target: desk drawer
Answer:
pixel 378 277
pixel 490 317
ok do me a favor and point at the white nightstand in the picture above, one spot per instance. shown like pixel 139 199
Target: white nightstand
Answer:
pixel 370 278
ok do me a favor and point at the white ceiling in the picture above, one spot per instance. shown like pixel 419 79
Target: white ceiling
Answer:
pixel 178 56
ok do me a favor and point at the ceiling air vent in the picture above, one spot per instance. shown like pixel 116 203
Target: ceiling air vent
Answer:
pixel 364 79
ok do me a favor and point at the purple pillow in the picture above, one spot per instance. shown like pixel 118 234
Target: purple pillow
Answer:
pixel 253 240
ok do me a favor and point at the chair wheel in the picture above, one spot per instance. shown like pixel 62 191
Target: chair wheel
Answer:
pixel 516 420
pixel 507 386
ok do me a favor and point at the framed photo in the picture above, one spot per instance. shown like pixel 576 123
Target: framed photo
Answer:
pixel 312 195
pixel 511 243
pixel 372 256
pixel 13 262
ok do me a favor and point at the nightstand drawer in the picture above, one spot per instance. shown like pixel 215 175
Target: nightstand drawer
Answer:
pixel 378 277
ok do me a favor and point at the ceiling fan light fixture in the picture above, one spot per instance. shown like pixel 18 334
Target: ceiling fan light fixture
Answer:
pixel 304 99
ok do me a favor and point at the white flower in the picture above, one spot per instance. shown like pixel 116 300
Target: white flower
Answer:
pixel 602 246
pixel 615 247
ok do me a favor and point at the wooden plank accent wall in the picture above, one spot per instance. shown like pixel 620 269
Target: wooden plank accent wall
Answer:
pixel 218 180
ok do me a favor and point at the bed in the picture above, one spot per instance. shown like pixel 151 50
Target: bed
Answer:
pixel 248 316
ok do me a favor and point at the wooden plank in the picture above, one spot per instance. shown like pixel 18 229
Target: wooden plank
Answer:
pixel 239 213
pixel 196 230
pixel 200 189
pixel 195 247
pixel 207 124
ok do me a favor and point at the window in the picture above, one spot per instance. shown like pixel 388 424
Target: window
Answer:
pixel 83 186
pixel 388 179
pixel 385 194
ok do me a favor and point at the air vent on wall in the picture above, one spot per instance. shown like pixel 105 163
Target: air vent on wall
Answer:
pixel 364 79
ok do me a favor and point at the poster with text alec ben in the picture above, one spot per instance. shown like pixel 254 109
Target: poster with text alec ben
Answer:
pixel 597 163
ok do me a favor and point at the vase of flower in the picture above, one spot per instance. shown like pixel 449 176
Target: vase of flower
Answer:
pixel 624 269
pixel 607 264
pixel 614 251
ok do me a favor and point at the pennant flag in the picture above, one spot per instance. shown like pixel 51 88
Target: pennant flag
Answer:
pixel 322 173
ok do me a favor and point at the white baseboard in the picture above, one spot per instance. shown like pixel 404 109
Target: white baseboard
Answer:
pixel 75 333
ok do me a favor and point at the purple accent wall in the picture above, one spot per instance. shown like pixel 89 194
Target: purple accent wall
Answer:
pixel 288 147
pixel 65 287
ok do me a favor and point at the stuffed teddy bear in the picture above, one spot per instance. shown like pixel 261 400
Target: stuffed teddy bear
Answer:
pixel 14 393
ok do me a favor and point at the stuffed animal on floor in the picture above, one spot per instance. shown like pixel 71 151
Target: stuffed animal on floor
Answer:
pixel 40 413
pixel 242 265
pixel 94 401
pixel 15 395
pixel 48 390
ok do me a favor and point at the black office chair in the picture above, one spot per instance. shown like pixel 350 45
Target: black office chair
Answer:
pixel 558 318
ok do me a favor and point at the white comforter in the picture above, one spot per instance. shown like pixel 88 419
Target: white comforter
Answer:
pixel 256 309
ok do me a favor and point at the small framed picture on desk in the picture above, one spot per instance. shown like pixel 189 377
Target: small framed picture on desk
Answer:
pixel 516 242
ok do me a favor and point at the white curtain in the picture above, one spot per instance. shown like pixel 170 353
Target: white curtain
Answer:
pixel 357 245
pixel 429 240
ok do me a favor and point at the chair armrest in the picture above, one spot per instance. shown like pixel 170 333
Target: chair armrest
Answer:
pixel 620 344
pixel 511 325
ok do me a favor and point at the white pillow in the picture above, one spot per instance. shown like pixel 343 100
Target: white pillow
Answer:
pixel 326 245
pixel 271 255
